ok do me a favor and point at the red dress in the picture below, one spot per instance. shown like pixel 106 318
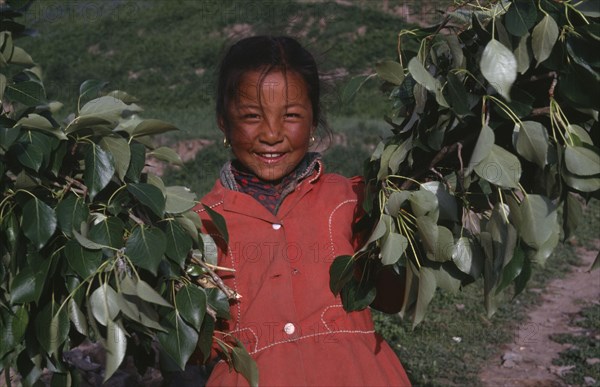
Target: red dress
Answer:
pixel 287 318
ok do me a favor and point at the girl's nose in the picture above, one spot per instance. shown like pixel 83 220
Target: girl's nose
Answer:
pixel 271 133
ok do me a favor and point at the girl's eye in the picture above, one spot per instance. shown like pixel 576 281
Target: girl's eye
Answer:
pixel 250 116
pixel 292 115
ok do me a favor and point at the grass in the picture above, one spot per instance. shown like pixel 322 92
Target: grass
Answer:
pixel 584 345
pixel 166 52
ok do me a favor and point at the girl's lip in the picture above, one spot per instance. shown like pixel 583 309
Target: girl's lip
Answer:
pixel 270 157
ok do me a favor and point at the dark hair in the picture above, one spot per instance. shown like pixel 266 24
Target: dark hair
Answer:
pixel 267 53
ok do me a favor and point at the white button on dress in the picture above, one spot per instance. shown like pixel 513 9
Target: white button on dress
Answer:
pixel 276 226
pixel 289 328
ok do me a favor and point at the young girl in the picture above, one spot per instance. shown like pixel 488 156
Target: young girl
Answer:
pixel 287 221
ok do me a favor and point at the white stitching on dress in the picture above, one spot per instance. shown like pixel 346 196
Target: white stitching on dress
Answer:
pixel 319 172
pixel 331 222
pixel 211 207
pixel 325 311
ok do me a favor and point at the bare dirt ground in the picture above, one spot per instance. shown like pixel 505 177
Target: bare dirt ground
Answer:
pixel 527 361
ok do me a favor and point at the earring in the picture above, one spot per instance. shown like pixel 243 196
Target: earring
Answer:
pixel 312 139
pixel 226 143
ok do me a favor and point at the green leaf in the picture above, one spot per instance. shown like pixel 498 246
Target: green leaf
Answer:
pixel 582 184
pixel 500 168
pixel 38 122
pixel 151 127
pixel 105 108
pixel 424 78
pixel 180 340
pixel 19 324
pixel 191 304
pixel 512 270
pixel 157 182
pixel 468 257
pixel 90 88
pixel 538 217
pixel 29 154
pixel 395 201
pixel 384 162
pixel 21 57
pixel 543 38
pixel 424 203
pixel 340 272
pixel 522 55
pixel 499 66
pixel 209 249
pixel 532 142
pixel 29 93
pixel 521 16
pixel 70 212
pixel 166 154
pixel 541 255
pixel 179 199
pixel 147 293
pixel 399 155
pixel 582 161
pixel 572 214
pixel 390 71
pixel 457 95
pixel 77 318
pixel 358 294
pixel 149 195
pixel 205 340
pixel 52 327
pixel 244 364
pixel 104 305
pixel 218 221
pixel 427 286
pixel 145 247
pixel 448 209
pixel 2 85
pixel 99 169
pixel 83 261
pixel 578 135
pixel 483 147
pixel 393 248
pixel 119 149
pixel 85 242
pixel 108 232
pixel 116 346
pixel 523 277
pixel 217 300
pixel 179 242
pixel 38 222
pixel 28 284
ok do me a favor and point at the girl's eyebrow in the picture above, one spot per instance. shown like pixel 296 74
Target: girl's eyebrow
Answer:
pixel 295 104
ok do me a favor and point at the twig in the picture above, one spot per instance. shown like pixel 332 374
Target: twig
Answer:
pixel 231 294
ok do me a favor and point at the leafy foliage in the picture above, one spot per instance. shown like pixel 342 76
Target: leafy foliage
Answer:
pixel 91 245
pixel 494 129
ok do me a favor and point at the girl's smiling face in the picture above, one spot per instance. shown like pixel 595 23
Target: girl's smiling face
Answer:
pixel 270 123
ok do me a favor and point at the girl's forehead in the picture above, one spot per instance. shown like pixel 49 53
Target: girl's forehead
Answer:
pixel 275 83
